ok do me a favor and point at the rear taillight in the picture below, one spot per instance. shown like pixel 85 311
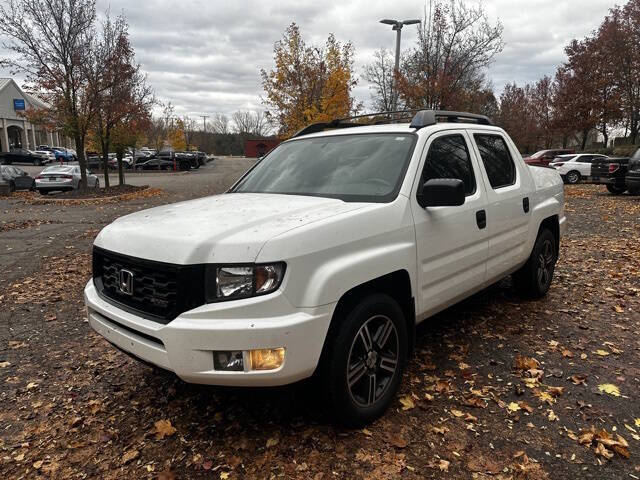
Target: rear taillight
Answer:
pixel 66 176
pixel 613 167
pixel 39 177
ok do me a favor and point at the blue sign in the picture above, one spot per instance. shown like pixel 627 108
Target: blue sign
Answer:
pixel 18 104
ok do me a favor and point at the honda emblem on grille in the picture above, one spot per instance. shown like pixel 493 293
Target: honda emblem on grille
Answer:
pixel 126 282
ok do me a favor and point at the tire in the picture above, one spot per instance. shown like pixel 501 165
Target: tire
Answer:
pixel 534 278
pixel 634 192
pixel 12 187
pixel 43 192
pixel 353 354
pixel 97 184
pixel 32 188
pixel 573 177
pixel 38 163
pixel 615 189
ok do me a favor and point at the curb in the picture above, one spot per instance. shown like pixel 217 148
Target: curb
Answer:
pixel 72 201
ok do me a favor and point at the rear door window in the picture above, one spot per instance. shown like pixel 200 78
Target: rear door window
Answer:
pixel 496 159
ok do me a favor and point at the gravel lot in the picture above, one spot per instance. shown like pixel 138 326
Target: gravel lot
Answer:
pixel 500 388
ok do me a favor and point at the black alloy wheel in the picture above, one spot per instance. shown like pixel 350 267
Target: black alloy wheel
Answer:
pixel 545 264
pixel 373 360
pixel 363 359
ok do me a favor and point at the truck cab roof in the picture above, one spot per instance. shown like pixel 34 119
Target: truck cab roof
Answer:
pixel 420 120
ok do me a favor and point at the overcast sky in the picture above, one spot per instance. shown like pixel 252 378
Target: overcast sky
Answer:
pixel 205 56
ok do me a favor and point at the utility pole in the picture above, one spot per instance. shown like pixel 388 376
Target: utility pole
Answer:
pixel 204 122
pixel 397 26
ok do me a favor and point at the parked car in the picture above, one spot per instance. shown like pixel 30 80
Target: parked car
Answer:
pixel 573 168
pixel 155 164
pixel 63 178
pixel 187 160
pixel 544 157
pixel 611 172
pixel 325 255
pixel 22 155
pixel 632 180
pixel 201 157
pixel 64 154
pixel 48 155
pixel 183 161
pixel 94 162
pixel 127 162
pixel 17 178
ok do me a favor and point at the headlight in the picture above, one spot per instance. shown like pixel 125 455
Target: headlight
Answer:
pixel 231 282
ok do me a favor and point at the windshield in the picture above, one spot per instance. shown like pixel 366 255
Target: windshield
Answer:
pixel 357 168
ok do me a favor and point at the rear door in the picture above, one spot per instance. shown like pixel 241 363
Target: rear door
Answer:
pixel 509 193
pixel 582 164
pixel 451 241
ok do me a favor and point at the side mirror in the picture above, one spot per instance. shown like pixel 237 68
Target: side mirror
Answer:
pixel 442 192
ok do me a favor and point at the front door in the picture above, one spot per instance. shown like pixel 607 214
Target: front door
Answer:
pixel 451 241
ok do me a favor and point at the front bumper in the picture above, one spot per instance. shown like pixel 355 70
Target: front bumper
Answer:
pixel 185 345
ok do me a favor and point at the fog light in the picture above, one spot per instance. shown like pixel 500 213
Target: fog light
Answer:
pixel 230 361
pixel 266 359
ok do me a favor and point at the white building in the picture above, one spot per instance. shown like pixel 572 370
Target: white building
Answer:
pixel 15 130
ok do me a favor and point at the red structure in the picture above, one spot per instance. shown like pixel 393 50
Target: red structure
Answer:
pixel 258 148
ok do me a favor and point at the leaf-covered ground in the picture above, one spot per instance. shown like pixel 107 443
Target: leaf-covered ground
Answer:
pixel 500 387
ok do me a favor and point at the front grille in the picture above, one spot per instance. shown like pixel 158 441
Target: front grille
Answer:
pixel 158 291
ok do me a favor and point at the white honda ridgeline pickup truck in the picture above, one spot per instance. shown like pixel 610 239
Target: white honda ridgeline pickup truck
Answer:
pixel 326 254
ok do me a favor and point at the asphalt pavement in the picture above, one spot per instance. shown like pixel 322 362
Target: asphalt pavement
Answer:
pixel 214 173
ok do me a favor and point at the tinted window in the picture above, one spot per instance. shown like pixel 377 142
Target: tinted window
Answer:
pixel 496 159
pixel 448 157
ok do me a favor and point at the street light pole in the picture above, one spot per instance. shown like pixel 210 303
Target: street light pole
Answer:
pixel 397 26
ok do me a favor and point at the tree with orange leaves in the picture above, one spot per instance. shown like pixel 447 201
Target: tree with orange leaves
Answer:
pixel 308 84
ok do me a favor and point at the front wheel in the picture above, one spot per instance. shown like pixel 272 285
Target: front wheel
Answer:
pixel 363 363
pixel 573 177
pixel 615 189
pixel 534 278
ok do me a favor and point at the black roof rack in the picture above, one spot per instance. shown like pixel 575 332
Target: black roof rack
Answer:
pixel 424 118
pixel 420 119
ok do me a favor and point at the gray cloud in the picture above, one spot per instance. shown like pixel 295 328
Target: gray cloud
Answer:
pixel 205 56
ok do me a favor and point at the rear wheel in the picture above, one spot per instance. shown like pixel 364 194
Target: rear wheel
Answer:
pixel 43 192
pixel 616 189
pixel 362 366
pixel 38 163
pixel 573 177
pixel 12 186
pixel 534 278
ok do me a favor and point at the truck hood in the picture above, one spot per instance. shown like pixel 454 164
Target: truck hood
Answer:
pixel 229 228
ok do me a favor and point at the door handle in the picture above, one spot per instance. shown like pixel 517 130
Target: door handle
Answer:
pixel 481 219
pixel 525 204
